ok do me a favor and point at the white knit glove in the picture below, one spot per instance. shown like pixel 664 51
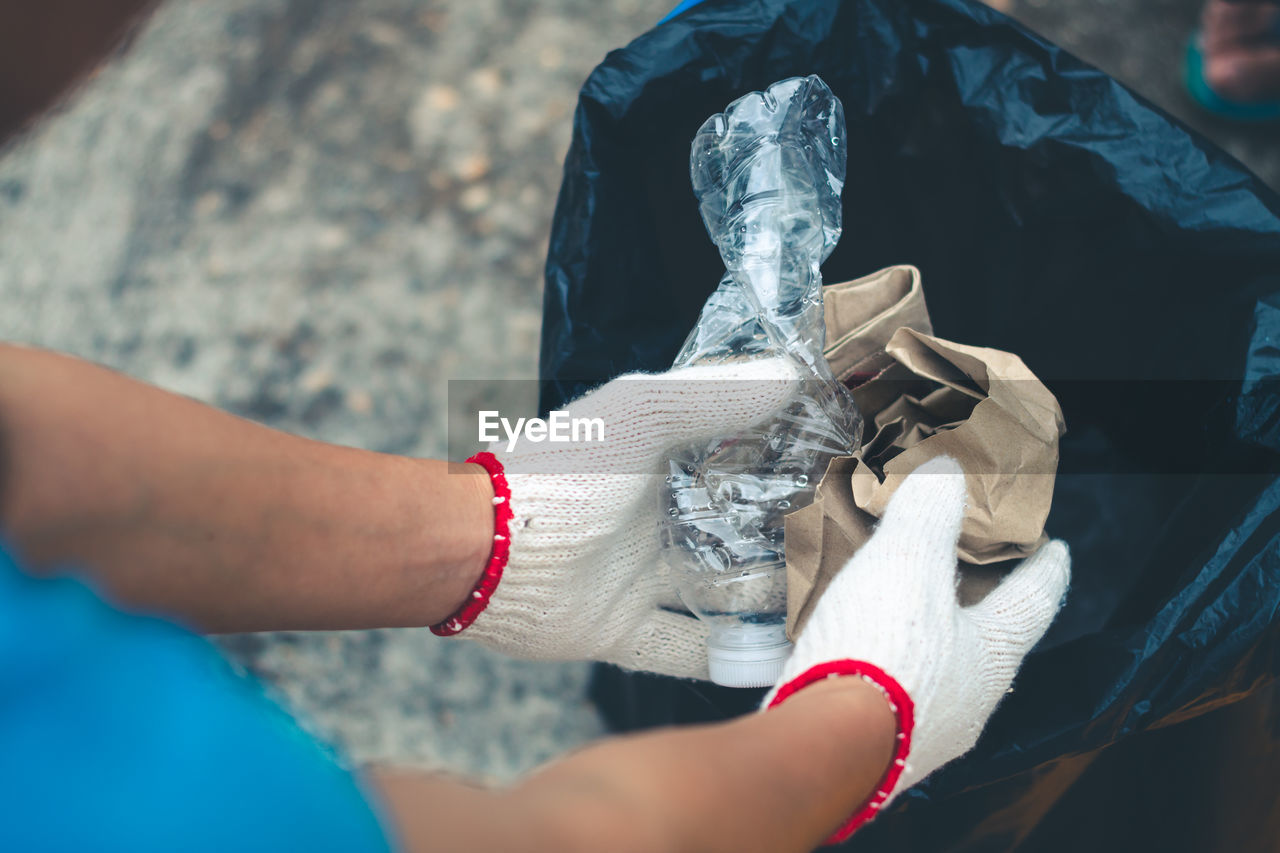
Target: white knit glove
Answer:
pixel 583 580
pixel 891 615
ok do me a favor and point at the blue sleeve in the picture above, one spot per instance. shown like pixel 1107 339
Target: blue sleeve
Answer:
pixel 121 732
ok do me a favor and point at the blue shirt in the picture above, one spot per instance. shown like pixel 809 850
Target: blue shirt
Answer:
pixel 124 732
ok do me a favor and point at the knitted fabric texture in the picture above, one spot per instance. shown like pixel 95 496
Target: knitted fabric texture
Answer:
pixel 894 606
pixel 583 578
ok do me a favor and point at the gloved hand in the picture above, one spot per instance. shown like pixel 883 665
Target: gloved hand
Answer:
pixel 582 579
pixel 891 616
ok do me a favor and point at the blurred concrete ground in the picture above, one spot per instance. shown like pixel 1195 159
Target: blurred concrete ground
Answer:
pixel 315 212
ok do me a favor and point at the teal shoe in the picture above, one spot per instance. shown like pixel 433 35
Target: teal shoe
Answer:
pixel 1212 102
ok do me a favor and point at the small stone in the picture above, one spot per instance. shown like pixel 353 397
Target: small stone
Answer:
pixel 316 380
pixel 398 161
pixel 442 98
pixel 275 199
pixel 359 401
pixel 474 198
pixel 432 19
pixel 208 203
pixel 550 57
pixel 473 167
pixel 215 266
pixel 384 34
pixel 557 109
pixel 331 237
pixel 329 95
pixel 487 82
pixel 424 117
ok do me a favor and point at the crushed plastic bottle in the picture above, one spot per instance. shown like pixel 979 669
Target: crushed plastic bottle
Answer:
pixel 768 173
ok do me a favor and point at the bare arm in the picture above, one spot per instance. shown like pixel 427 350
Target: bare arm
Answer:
pixel 778 781
pixel 179 508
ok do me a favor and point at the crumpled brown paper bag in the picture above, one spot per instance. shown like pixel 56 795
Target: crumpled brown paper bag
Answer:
pixel 928 397
pixel 861 315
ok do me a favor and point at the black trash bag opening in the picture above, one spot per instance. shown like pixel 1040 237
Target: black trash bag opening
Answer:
pixel 1053 214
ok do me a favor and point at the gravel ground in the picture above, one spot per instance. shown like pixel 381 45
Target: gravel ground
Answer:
pixel 314 212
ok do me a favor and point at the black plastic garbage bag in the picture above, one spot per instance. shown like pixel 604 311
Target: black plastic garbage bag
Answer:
pixel 1134 267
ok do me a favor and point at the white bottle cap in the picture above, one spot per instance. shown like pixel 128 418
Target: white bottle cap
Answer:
pixel 747 655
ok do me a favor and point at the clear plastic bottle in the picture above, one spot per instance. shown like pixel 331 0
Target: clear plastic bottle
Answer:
pixel 768 174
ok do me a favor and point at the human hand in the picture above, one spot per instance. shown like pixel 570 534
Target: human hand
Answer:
pixel 892 617
pixel 583 580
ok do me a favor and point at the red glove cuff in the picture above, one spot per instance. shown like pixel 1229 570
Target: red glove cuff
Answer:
pixel 478 598
pixel 903 709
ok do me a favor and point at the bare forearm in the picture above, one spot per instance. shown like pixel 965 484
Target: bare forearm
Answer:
pixel 178 507
pixel 780 781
